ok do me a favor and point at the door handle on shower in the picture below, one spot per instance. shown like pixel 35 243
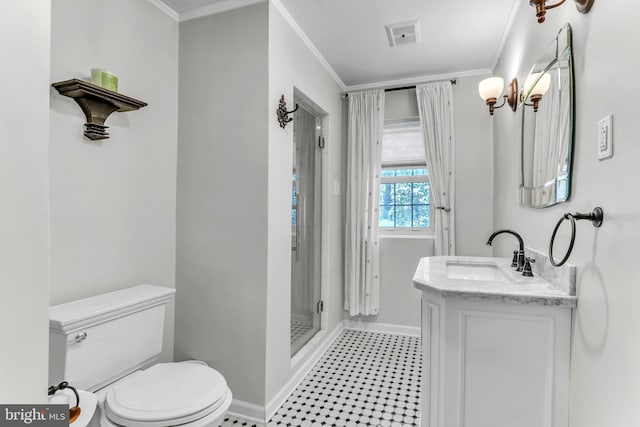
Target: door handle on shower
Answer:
pixel 298 205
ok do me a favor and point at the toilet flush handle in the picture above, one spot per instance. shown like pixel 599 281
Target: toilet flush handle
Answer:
pixel 80 337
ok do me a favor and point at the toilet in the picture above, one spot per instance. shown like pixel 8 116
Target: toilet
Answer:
pixel 107 345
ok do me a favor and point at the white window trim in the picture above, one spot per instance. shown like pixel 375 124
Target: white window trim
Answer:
pixel 425 232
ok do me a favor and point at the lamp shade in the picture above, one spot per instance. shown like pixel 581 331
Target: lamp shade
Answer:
pixel 541 87
pixel 491 88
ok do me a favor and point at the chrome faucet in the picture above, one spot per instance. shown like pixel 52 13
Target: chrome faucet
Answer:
pixel 520 255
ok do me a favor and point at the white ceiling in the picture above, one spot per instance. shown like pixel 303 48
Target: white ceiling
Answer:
pixel 458 36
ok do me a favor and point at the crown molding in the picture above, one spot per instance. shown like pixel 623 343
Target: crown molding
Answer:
pixel 294 25
pixel 236 4
pixel 416 80
pixel 166 9
pixel 211 9
pixel 220 7
pixel 506 32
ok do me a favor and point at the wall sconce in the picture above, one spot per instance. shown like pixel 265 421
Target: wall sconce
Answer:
pixel 542 82
pixel 541 6
pixel 491 89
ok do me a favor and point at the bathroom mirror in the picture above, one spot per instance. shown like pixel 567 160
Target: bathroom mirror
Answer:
pixel 547 105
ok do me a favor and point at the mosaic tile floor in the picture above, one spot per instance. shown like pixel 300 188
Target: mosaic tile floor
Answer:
pixel 237 422
pixel 364 379
pixel 299 329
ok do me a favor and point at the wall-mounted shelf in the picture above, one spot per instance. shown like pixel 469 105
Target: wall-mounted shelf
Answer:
pixel 97 104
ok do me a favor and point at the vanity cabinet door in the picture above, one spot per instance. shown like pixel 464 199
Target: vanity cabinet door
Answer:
pixel 494 364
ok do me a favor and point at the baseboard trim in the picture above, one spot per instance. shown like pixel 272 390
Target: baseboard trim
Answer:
pixel 248 411
pixel 386 328
pixel 301 371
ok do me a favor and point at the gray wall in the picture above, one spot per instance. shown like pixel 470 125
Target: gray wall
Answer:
pixel 113 202
pixel 605 383
pixel 24 226
pixel 399 301
pixel 234 195
pixel 474 168
pixel 222 196
pixel 291 64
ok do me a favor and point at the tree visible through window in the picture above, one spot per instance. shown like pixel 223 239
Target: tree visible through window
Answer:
pixel 405 199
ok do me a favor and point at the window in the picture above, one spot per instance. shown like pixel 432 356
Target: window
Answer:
pixel 405 199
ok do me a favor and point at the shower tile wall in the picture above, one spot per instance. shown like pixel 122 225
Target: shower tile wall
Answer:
pixel 364 379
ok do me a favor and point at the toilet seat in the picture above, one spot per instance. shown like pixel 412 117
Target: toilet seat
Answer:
pixel 166 394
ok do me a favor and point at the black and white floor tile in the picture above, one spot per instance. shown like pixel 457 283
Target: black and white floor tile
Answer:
pixel 237 422
pixel 364 379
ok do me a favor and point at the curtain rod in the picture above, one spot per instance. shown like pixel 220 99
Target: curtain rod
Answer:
pixel 393 89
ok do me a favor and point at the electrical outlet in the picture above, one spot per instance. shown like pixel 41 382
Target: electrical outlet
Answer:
pixel 605 138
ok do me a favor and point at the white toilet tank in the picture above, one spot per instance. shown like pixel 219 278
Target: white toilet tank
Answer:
pixel 95 341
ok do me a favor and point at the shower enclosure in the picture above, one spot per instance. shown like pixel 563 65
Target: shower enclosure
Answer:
pixel 306 225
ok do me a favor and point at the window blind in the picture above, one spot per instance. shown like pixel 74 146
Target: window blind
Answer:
pixel 402 144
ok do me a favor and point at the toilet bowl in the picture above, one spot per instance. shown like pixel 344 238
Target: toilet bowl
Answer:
pixel 107 344
pixel 188 394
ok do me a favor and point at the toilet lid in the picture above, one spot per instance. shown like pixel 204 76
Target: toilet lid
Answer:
pixel 171 392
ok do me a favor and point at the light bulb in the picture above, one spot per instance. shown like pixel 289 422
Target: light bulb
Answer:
pixel 491 88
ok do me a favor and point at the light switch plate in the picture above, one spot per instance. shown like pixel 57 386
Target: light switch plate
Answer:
pixel 605 138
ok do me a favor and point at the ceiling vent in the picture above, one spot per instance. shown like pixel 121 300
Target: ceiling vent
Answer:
pixel 403 33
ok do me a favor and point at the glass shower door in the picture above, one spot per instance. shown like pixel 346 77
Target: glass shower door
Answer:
pixel 306 228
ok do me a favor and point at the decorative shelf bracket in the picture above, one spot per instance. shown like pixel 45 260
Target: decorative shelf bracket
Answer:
pixel 97 104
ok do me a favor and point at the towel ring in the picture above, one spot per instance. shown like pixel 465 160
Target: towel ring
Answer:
pixel 596 217
pixel 74 411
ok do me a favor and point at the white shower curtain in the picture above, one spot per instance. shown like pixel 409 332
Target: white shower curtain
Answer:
pixel 435 104
pixel 362 276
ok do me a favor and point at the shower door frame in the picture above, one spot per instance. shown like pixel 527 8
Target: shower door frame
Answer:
pixel 307 103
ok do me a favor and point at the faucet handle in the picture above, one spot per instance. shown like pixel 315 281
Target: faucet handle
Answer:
pixel 527 267
pixel 514 261
pixel 521 261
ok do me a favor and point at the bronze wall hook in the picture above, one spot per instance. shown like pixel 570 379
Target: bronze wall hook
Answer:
pixel 283 114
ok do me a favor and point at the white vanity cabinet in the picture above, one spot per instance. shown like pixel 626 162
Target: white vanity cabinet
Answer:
pixel 493 357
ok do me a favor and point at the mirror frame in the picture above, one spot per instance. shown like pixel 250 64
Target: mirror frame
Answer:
pixel 527 194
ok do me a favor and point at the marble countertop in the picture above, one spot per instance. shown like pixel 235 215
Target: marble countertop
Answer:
pixel 507 286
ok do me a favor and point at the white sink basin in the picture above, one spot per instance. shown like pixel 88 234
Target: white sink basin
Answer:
pixel 488 278
pixel 488 271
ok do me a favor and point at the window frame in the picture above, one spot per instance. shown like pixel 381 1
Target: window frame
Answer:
pixel 406 231
pixel 422 232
